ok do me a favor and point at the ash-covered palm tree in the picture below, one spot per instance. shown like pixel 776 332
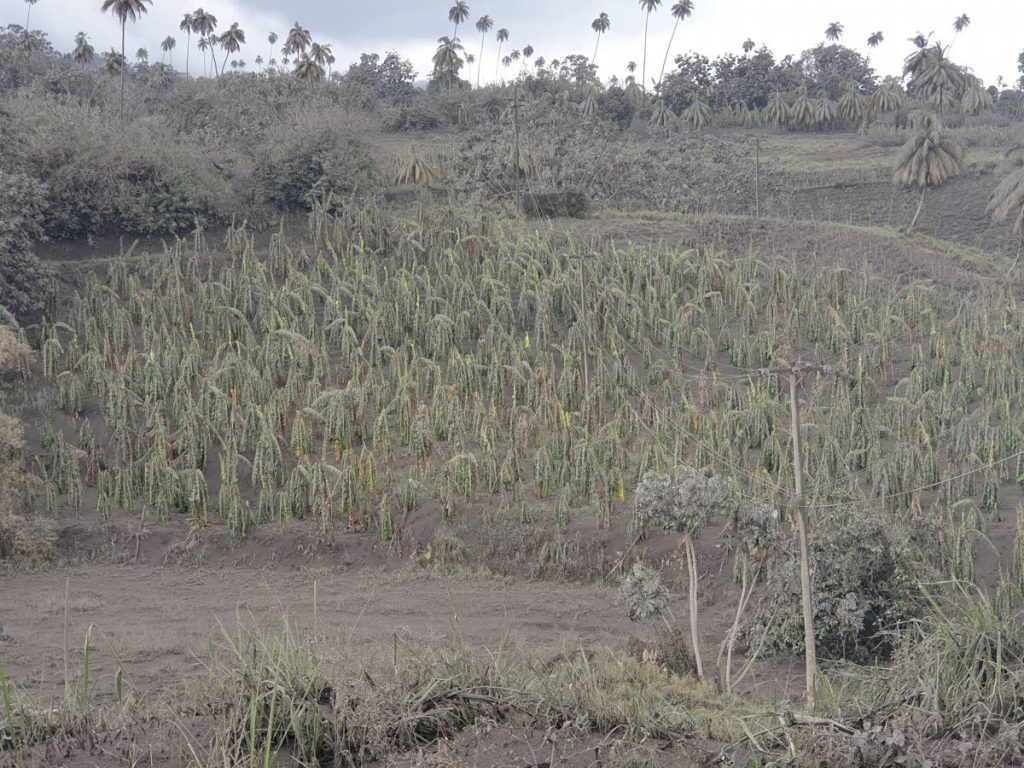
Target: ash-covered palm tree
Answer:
pixel 681 11
pixel 167 46
pixel 888 97
pixel 320 53
pixel 28 16
pixel 834 31
pixel 1008 198
pixel 457 14
pixel 298 40
pixel 502 38
pixel 448 58
pixel 203 44
pixel 937 79
pixel 272 39
pixel 124 10
pixel 963 21
pixel 142 56
pixel 876 39
pixel 187 24
pixel 231 40
pixel 83 52
pixel 113 62
pixel 483 25
pixel 662 116
pixel 204 24
pixel 600 25
pixel 307 69
pixel 649 7
pixel 928 159
pixel 748 45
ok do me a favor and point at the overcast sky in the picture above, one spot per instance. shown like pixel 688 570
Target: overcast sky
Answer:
pixel 558 27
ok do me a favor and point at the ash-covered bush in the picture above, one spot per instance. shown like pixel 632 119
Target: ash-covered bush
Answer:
pixel 645 593
pixel 863 583
pixel 302 159
pixel 103 176
pixel 683 502
pixel 26 286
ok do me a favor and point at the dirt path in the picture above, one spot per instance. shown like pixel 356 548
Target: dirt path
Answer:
pixel 156 622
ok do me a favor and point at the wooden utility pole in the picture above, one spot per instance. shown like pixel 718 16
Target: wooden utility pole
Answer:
pixel 795 375
pixel 757 178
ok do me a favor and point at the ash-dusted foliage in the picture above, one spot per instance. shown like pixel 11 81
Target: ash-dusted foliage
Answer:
pixel 683 502
pixel 690 173
pixel 307 156
pixel 864 577
pixel 645 593
pixel 26 286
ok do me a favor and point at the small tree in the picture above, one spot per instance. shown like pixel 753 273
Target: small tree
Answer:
pixel 928 159
pixel 684 504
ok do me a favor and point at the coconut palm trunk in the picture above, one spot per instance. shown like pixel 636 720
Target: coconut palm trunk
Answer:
pixel 188 50
pixel 124 66
pixel 917 213
pixel 668 51
pixel 593 59
pixel 643 71
pixel 480 64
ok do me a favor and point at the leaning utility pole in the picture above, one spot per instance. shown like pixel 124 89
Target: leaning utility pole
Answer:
pixel 795 375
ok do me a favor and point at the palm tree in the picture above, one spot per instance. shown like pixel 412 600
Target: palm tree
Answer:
pixel 188 22
pixel 928 159
pixel 876 39
pixel 298 40
pixel 259 61
pixel 502 37
pixel 28 16
pixel 698 114
pixel 83 52
pixel 527 51
pixel 483 25
pixel 963 21
pixel 600 25
pixel 167 46
pixel 834 31
pixel 887 98
pixel 748 45
pixel 447 58
pixel 457 14
pixel 142 56
pixel 681 11
pixel 1008 197
pixel 320 53
pixel 936 78
pixel 662 117
pixel 272 39
pixel 649 6
pixel 203 24
pixel 113 62
pixel 307 69
pixel 231 40
pixel 124 10
pixel 203 44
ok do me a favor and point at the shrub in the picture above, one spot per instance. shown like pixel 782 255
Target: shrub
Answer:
pixel 301 160
pixel 614 106
pixel 26 286
pixel 863 580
